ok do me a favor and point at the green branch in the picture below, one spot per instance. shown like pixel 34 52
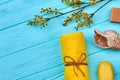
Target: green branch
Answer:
pixel 78 16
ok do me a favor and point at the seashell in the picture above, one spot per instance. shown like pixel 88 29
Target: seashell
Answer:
pixel 107 39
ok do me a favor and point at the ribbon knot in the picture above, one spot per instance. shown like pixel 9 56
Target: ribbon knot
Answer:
pixel 77 63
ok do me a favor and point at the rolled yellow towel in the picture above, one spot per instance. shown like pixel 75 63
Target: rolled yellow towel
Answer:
pixel 74 56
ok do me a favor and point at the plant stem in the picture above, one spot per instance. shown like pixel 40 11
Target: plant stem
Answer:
pixel 78 14
pixel 81 8
pixel 100 8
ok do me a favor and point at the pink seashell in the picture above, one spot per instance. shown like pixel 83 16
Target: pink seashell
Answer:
pixel 107 39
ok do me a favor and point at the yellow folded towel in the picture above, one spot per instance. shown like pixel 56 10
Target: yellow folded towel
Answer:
pixel 74 56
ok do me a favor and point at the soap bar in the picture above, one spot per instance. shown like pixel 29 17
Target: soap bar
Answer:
pixel 74 56
pixel 115 15
pixel 105 71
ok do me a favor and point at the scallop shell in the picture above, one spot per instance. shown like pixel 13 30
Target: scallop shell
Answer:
pixel 107 39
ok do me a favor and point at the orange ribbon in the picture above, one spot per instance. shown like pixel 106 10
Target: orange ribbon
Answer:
pixel 76 64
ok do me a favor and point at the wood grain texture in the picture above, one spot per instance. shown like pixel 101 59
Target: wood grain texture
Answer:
pixel 31 53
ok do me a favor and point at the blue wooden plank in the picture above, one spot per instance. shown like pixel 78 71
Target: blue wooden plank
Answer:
pixel 30 62
pixel 31 37
pixel 28 53
pixel 19 37
pixel 13 13
pixel 23 13
pixel 5 1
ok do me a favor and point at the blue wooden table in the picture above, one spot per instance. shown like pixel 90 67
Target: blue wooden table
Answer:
pixel 31 53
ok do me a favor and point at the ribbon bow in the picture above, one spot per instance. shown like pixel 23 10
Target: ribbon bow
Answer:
pixel 77 63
